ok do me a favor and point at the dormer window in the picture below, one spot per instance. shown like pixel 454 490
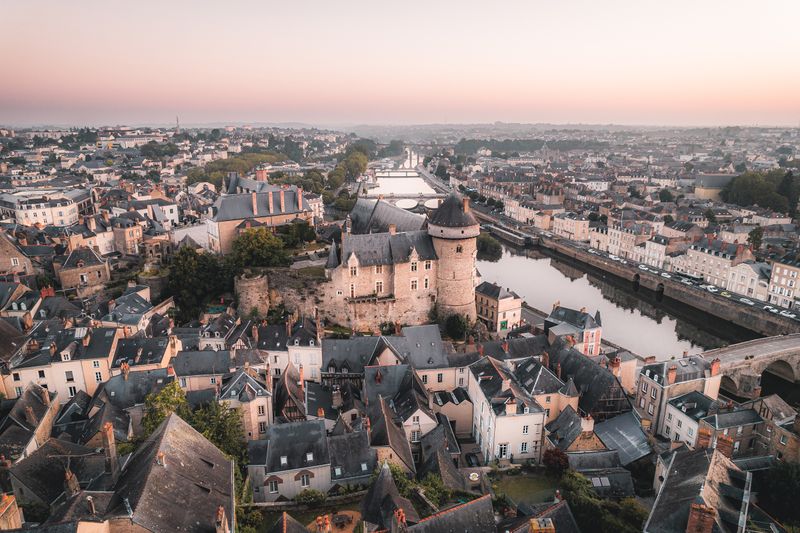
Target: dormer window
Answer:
pixel 309 457
pixel 216 334
pixel 284 460
pixel 332 369
pixel 363 467
pixel 297 342
pixel 65 356
pixel 311 343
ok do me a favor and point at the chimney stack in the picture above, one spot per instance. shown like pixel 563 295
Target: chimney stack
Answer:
pixel 587 424
pixel 505 346
pixel 254 196
pixel 254 333
pixel 558 371
pixel 283 201
pixel 465 204
pixel 31 417
pixel 480 350
pixel 715 367
pixel 110 450
pixel 221 521
pixel 703 438
pixel 299 198
pixel 269 202
pixel 161 459
pixel 541 525
pixel 511 407
pixel 614 364
pixel 71 484
pixel 672 374
pixel 725 445
pixel 90 506
pixel 301 381
pixel 392 229
pixel 336 397
pixel 126 370
pixel 701 518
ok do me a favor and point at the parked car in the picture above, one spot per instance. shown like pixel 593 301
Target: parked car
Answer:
pixel 472 460
pixel 642 267
pixel 746 301
pixel 770 309
pixel 711 288
pixel 726 294
pixel 788 314
pixel 665 275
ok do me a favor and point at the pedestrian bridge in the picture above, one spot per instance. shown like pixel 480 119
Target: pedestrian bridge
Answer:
pixel 742 364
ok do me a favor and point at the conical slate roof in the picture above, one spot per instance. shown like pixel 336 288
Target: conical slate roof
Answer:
pixel 451 214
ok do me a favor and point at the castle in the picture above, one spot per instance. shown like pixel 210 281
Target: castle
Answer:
pixel 395 266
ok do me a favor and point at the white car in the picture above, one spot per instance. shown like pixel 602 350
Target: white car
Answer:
pixel 712 288
pixel 746 301
pixel 642 267
pixel 686 282
pixel 770 309
pixel 788 314
pixel 665 275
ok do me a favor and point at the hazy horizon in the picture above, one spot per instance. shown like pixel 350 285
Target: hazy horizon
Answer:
pixel 676 64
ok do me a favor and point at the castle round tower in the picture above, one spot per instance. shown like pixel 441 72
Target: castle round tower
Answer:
pixel 454 232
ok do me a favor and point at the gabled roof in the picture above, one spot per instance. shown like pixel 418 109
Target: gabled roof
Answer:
pixel 375 216
pixel 475 515
pixel 451 214
pixel 382 499
pixel 286 524
pixel 183 493
pixel 286 447
pixel 352 455
pixel 624 433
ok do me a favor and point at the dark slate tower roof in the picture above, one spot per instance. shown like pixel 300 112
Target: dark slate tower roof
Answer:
pixel 451 214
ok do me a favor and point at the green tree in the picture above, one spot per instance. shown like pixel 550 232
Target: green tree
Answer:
pixel 196 278
pixel 355 165
pixel 489 248
pixel 310 497
pixel 710 216
pixel 789 188
pixel 668 219
pixel 223 427
pixel 456 326
pixel 555 461
pixel 665 195
pixel 435 489
pixel 755 237
pixel 158 405
pixel 258 247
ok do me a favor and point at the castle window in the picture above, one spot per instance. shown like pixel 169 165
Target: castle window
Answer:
pixel 413 266
pixel 413 284
pixel 354 271
pixel 459 249
pixel 379 287
pixel 379 269
pixel 427 265
pixel 352 291
pixel 425 283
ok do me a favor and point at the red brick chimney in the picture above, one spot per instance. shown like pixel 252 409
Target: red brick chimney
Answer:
pixel 392 229
pixel 505 346
pixel 614 364
pixel 465 204
pixel 480 350
pixel 703 438
pixel 672 374
pixel 71 484
pixel 715 366
pixel 701 518
pixel 558 370
pixel 254 197
pixel 269 202
pixel 725 445
pixel 299 198
pixel 282 201
pixel 221 521
pixel 110 450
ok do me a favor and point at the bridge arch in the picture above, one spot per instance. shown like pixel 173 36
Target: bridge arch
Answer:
pixel 729 385
pixel 782 369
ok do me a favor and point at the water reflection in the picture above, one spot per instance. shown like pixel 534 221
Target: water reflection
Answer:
pixel 637 321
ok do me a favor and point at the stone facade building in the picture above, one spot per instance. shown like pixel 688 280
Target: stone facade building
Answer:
pixel 393 265
pixel 83 270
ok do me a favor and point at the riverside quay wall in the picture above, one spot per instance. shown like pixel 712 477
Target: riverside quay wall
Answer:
pixel 754 317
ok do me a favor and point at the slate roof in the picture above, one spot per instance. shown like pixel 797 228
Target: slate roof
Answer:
pixel 244 385
pixel 694 404
pixel 353 353
pixel 624 433
pixel 286 524
pixel 421 347
pixel 386 430
pixel 87 255
pixel 491 376
pixel 126 393
pixel 579 319
pixel 517 347
pixel 42 472
pixel 451 214
pixel 384 248
pixel 729 419
pixel 475 515
pixel 292 440
pixel 687 369
pixel 559 512
pixel 202 363
pixel 563 431
pixel 375 216
pixel 240 206
pixel 182 495
pixel 382 499
pixel 536 379
pixel 492 290
pixel 140 351
pixel 351 453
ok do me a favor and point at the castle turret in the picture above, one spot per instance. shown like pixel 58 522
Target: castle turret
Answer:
pixel 454 232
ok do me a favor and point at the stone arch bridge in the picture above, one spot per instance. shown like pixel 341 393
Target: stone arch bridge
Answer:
pixel 742 364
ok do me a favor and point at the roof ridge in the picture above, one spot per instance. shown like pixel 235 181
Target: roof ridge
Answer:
pixel 451 509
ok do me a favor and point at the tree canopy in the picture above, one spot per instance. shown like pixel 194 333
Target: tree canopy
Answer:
pixel 215 171
pixel 777 190
pixel 196 278
pixel 258 247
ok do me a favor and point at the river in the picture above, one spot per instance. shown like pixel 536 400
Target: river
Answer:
pixel 638 321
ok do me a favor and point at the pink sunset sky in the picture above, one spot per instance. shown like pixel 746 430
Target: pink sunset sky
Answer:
pixel 698 62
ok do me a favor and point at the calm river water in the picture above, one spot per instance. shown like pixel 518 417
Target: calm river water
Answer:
pixel 637 320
